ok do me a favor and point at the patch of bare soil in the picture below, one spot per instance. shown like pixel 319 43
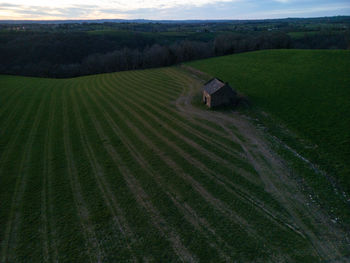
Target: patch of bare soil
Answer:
pixel 274 173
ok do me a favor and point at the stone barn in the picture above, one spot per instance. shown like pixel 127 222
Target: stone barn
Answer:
pixel 217 93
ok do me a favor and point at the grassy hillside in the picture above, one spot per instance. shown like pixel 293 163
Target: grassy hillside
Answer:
pixel 308 91
pixel 106 169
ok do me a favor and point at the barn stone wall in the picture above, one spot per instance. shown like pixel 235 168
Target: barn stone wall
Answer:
pixel 224 96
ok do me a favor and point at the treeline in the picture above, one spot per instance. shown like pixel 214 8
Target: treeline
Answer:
pixel 325 40
pixel 71 57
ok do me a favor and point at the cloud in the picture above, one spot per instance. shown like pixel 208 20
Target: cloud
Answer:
pixel 172 9
pixel 12 11
pixel 160 4
pixel 122 5
pixel 309 10
pixel 87 9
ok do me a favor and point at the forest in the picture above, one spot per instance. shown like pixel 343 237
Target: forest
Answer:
pixel 73 49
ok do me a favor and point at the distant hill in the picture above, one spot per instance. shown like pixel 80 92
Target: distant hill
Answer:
pixel 334 18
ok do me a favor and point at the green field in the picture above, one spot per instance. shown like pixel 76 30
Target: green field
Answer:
pixel 115 168
pixel 301 34
pixel 307 91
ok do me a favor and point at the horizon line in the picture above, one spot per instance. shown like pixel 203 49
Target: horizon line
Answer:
pixel 160 20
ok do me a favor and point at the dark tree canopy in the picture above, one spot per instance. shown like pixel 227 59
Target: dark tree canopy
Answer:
pixel 68 50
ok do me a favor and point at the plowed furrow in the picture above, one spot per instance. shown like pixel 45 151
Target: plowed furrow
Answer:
pixel 202 226
pixel 197 147
pixel 190 142
pixel 158 96
pixel 158 178
pixel 120 222
pixel 224 182
pixel 11 233
pixel 48 222
pixel 92 246
pixel 219 205
pixel 153 100
pixel 157 93
pixel 274 175
pixel 143 199
pixel 216 203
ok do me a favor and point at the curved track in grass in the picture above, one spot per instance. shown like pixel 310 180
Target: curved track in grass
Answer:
pixel 121 168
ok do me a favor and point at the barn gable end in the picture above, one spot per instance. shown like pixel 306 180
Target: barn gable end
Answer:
pixel 217 93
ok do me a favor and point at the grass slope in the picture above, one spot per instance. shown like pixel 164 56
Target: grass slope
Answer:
pixel 308 91
pixel 105 169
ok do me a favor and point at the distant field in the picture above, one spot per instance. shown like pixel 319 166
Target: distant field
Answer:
pixel 106 168
pixel 302 34
pixel 298 35
pixel 309 91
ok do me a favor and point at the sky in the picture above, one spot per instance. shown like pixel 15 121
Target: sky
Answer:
pixel 169 9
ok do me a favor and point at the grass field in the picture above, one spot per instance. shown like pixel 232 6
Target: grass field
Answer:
pixel 106 168
pixel 301 34
pixel 307 91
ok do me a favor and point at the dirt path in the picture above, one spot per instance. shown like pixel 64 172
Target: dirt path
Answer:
pixel 273 171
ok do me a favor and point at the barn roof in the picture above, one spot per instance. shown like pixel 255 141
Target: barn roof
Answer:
pixel 213 85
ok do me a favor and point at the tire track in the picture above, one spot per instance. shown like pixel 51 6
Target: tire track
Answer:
pixel 202 226
pixel 93 246
pixel 265 172
pixel 48 221
pixel 11 231
pixel 142 197
pixel 119 220
pixel 44 230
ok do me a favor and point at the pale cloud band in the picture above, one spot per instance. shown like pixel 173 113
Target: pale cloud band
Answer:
pixel 171 9
pixel 122 5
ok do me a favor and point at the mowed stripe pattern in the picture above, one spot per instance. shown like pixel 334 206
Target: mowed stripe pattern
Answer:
pixel 105 169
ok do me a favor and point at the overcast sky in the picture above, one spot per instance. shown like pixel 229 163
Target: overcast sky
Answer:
pixel 170 9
